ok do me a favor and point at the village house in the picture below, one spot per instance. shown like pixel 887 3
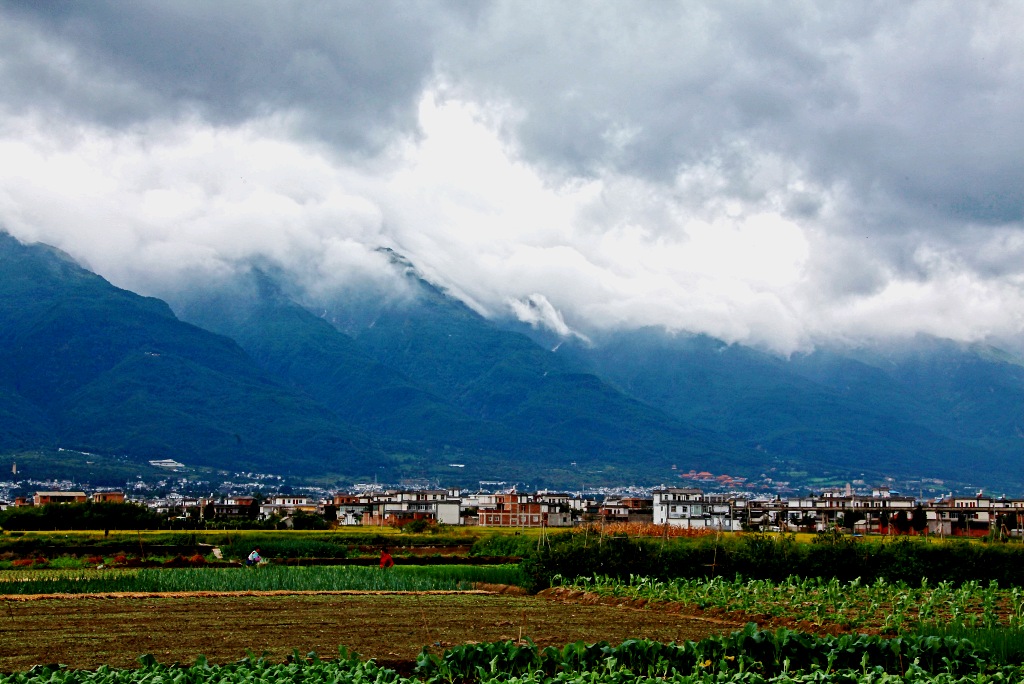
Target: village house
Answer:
pixel 520 510
pixel 178 506
pixel 44 498
pixel 401 507
pixel 974 516
pixel 349 508
pixel 690 507
pixel 871 513
pixel 575 504
pixel 231 508
pixel 284 506
pixel 108 497
pixel 627 509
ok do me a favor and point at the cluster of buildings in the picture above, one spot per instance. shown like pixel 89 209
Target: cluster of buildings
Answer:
pixel 880 511
pixel 64 497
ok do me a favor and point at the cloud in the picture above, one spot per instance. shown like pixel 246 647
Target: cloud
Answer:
pixel 155 208
pixel 538 312
pixel 774 174
pixel 346 73
pixel 909 108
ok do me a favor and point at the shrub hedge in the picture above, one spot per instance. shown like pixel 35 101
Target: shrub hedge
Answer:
pixel 775 557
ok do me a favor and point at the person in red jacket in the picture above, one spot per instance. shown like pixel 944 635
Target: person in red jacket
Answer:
pixel 386 561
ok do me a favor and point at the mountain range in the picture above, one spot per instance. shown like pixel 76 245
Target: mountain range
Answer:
pixel 249 375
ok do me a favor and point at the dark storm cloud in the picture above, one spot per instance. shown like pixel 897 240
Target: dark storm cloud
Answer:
pixel 915 100
pixel 351 72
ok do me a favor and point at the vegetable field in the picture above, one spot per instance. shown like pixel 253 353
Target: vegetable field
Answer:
pixel 881 606
pixel 749 656
pixel 263 578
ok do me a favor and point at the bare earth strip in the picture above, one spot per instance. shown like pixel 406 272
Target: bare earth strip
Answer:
pixel 89 631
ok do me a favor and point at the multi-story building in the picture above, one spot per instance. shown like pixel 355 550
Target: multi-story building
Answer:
pixel 627 509
pixel 514 509
pixel 349 508
pixel 232 508
pixel 692 508
pixel 399 507
pixel 975 516
pixel 286 505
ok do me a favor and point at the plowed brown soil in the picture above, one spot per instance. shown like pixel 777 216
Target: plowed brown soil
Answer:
pixel 89 631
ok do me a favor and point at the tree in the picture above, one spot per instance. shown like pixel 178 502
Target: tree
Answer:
pixel 92 516
pixel 919 519
pixel 331 513
pixel 901 522
pixel 308 521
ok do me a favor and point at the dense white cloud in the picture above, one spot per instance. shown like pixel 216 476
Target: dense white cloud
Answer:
pixel 769 173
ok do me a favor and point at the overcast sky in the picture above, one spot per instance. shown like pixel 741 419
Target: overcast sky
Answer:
pixel 771 173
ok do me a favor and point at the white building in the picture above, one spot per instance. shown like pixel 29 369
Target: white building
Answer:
pixel 692 508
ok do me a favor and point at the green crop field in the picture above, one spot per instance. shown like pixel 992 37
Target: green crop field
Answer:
pixel 749 656
pixel 880 606
pixel 262 578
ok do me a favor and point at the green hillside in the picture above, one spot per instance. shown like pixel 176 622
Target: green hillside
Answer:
pixel 425 387
pixel 436 381
pixel 932 410
pixel 88 366
pixel 308 353
pixel 494 374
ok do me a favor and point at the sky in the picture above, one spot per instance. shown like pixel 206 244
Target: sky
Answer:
pixel 779 174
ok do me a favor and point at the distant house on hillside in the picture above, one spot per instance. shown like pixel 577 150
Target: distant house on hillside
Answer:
pixel 168 463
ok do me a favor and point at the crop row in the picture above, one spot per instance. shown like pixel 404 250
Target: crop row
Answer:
pixel 341 543
pixel 750 656
pixel 889 607
pixel 263 578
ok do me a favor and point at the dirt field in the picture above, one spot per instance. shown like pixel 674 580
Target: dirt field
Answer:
pixel 86 632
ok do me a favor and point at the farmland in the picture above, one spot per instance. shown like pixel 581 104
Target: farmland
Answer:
pixel 264 578
pixel 456 623
pixel 87 631
pixel 880 607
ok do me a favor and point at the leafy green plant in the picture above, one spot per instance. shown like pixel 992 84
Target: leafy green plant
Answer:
pixel 750 656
